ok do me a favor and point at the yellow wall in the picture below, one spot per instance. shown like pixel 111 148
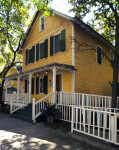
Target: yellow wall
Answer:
pixel 52 23
pixel 91 77
pixel 11 72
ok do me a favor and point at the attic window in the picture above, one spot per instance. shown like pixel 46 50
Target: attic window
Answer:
pixel 42 23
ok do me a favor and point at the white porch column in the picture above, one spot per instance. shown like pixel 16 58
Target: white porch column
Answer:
pixel 6 85
pixel 18 86
pixel 54 82
pixel 54 79
pixel 73 82
pixel 30 77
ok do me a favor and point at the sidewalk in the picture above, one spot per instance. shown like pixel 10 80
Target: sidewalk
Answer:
pixel 16 134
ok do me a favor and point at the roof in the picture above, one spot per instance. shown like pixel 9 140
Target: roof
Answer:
pixel 76 20
pixel 40 69
pixel 11 89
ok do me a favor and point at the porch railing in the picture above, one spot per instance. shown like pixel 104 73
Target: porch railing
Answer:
pixel 81 99
pixel 96 122
pixel 40 105
pixel 19 103
pixel 12 97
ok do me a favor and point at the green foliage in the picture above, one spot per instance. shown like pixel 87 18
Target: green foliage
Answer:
pixel 49 110
pixel 104 12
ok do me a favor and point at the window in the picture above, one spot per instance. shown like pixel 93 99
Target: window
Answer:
pixel 57 43
pixel 41 85
pixel 42 23
pixel 99 55
pixel 30 55
pixel 42 50
pixel 12 82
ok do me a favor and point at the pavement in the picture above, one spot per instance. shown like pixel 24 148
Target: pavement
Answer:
pixel 16 134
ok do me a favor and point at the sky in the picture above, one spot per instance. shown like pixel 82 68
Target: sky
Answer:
pixel 63 6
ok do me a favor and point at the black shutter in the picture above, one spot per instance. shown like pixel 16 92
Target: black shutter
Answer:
pixel 26 56
pixel 63 40
pixel 33 53
pixel 46 48
pixel 30 56
pixel 99 57
pixel 25 86
pixel 45 84
pixel 37 85
pixel 37 52
pixel 32 87
pixel 51 45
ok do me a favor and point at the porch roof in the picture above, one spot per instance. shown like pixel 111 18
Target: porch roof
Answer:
pixel 40 69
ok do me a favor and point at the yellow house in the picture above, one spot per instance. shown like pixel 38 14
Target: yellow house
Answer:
pixel 62 53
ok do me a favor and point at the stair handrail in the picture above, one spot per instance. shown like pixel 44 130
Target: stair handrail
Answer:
pixel 18 104
pixel 40 104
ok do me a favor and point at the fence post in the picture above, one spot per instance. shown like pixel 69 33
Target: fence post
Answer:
pixel 10 106
pixel 61 98
pixel 33 110
pixel 72 121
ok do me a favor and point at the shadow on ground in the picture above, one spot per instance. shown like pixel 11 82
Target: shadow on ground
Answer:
pixel 18 134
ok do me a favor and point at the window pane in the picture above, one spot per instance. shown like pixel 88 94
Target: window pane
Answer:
pixel 58 43
pixel 42 23
pixel 42 85
pixel 42 50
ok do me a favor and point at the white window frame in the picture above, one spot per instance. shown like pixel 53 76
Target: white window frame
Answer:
pixel 97 54
pixel 40 24
pixel 42 77
pixel 54 52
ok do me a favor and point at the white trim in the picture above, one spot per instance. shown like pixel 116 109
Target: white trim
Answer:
pixel 47 35
pixel 73 45
pixel 101 54
pixel 60 73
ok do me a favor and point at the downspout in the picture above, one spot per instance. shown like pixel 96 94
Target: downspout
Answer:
pixel 73 56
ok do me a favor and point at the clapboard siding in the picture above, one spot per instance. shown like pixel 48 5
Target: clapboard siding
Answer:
pixel 52 23
pixel 91 77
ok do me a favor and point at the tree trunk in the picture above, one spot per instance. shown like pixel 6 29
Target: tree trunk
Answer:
pixel 115 67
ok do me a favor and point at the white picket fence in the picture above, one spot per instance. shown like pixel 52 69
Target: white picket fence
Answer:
pixel 96 122
pixel 19 103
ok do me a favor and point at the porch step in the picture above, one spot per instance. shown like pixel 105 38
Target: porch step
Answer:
pixel 24 113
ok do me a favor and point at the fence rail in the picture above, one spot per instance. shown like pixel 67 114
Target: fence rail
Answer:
pixel 96 122
pixel 82 99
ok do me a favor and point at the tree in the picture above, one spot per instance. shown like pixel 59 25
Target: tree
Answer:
pixel 14 17
pixel 106 12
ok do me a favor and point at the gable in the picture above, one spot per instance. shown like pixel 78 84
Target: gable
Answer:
pixel 52 23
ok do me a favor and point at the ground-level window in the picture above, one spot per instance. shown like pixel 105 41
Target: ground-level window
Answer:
pixel 41 85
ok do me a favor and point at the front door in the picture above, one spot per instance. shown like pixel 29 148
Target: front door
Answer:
pixel 58 82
